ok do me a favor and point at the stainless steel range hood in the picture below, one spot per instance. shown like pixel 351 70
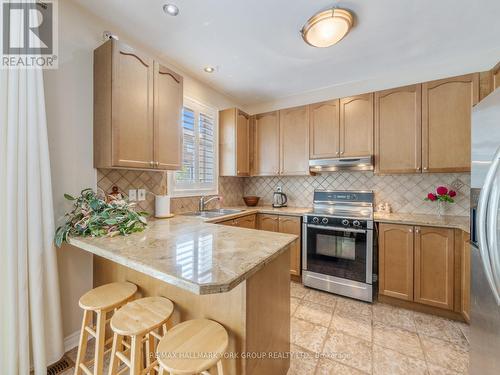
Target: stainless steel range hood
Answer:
pixel 361 163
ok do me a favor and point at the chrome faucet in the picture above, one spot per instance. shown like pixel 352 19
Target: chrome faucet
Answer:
pixel 202 203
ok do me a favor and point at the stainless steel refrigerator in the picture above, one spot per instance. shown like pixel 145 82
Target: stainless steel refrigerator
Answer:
pixel 485 237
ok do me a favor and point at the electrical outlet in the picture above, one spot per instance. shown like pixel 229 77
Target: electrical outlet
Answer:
pixel 141 194
pixel 132 195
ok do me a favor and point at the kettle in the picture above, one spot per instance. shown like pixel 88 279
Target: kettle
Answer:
pixel 279 198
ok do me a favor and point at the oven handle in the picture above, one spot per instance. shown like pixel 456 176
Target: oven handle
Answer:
pixel 337 228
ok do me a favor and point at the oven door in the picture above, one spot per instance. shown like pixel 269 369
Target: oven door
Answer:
pixel 346 253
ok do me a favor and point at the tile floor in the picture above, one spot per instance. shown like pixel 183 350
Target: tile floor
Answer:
pixel 335 335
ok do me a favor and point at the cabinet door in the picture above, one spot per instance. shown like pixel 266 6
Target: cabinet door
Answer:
pixel 324 131
pixel 267 222
pixel 398 126
pixel 242 144
pixel 434 266
pixel 167 116
pixel 245 222
pixel 132 108
pixel 291 225
pixel 230 223
pixel 465 277
pixel 356 125
pixel 446 123
pixel 266 158
pixel 396 261
pixel 294 141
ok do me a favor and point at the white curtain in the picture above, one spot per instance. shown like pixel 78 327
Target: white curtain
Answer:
pixel 31 327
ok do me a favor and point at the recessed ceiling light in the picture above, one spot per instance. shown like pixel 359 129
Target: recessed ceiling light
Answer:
pixel 171 9
pixel 209 69
pixel 326 28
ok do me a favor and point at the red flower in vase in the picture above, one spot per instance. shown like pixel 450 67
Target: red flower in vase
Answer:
pixel 452 193
pixel 432 197
pixel 442 190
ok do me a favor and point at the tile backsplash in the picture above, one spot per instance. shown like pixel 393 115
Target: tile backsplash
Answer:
pixel 231 188
pixel 405 193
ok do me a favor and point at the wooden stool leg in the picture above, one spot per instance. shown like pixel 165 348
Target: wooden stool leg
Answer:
pixel 220 368
pixel 150 351
pixel 99 342
pixel 114 360
pixel 82 345
pixel 135 355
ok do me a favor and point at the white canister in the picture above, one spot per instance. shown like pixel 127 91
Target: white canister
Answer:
pixel 162 206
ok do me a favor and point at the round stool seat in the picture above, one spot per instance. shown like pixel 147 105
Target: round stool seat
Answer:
pixel 107 296
pixel 192 346
pixel 141 316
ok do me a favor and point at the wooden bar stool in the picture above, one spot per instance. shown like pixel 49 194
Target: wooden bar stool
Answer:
pixel 101 300
pixel 205 339
pixel 138 320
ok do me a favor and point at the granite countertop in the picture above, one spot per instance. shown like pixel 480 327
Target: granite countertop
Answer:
pixel 446 221
pixel 189 252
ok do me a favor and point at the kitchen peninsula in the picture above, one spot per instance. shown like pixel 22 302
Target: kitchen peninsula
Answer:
pixel 236 276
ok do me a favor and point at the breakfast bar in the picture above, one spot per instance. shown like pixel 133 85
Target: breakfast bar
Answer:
pixel 236 276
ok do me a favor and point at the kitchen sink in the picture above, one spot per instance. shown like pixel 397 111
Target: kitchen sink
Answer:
pixel 213 213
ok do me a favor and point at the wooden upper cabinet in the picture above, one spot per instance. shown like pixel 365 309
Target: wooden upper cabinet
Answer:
pixel 268 222
pixel 434 267
pixel 396 261
pixel 496 76
pixel 137 106
pixel 234 147
pixel 324 130
pixel 292 225
pixel 446 123
pixel 356 125
pixel 132 107
pixel 167 118
pixel 398 126
pixel 266 149
pixel 294 141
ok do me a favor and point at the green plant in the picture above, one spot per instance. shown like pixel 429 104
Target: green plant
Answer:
pixel 94 216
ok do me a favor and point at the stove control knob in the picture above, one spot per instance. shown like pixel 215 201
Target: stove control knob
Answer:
pixel 324 220
pixel 345 222
pixel 315 220
pixel 356 223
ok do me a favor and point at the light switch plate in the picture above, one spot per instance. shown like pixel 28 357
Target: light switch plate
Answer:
pixel 141 194
pixel 132 195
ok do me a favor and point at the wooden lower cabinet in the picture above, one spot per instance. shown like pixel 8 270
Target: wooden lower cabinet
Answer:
pixel 426 268
pixel 434 267
pixel 285 224
pixel 396 261
pixel 245 222
pixel 248 221
pixel 465 276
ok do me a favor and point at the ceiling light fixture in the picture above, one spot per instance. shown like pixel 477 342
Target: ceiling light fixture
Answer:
pixel 209 69
pixel 171 9
pixel 326 28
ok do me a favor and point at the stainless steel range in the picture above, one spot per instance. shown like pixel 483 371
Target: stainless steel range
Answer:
pixel 338 244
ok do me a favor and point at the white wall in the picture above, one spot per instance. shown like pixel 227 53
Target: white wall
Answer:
pixel 69 101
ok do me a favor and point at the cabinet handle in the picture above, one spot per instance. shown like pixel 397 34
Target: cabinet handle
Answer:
pixel 425 168
pixel 342 153
pixel 410 230
pixel 151 163
pixel 417 230
pixel 418 169
pixel 157 164
pixel 337 153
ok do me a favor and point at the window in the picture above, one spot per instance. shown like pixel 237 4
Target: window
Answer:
pixel 199 174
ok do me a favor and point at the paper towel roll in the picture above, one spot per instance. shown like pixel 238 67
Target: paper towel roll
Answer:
pixel 162 206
